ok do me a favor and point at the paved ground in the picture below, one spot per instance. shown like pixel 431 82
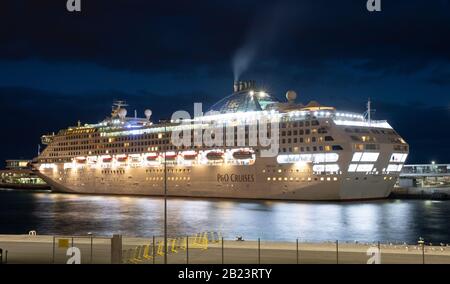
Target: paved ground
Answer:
pixel 47 249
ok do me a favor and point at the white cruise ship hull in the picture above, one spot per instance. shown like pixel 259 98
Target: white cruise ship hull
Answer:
pixel 263 180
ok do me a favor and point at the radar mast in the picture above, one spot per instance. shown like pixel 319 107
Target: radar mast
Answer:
pixel 116 107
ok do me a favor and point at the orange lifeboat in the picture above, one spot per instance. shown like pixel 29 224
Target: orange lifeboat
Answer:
pixel 243 155
pixel 214 155
pixel 107 159
pixel 122 159
pixel 81 160
pixel 170 155
pixel 190 155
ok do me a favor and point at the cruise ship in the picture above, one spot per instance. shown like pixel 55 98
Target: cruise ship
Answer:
pixel 310 152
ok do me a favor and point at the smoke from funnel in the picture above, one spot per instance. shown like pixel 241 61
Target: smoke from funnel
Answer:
pixel 267 26
pixel 242 59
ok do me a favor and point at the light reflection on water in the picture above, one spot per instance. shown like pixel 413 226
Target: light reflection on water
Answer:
pixel 387 220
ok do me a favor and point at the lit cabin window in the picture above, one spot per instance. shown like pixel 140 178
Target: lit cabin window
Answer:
pixel 398 157
pixel 364 168
pixel 352 167
pixel 369 157
pixel 357 157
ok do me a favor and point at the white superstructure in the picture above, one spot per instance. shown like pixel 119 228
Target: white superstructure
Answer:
pixel 323 154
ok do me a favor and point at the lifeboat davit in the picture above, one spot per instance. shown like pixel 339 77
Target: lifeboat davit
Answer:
pixel 243 155
pixel 214 155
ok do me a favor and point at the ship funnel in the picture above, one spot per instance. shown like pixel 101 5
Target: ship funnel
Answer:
pixel 240 86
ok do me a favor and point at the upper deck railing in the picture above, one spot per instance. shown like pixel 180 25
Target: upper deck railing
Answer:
pixel 133 126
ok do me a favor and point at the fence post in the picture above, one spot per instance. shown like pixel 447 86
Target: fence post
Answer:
pixel 92 245
pixel 116 249
pixel 297 251
pixel 1 256
pixel 187 249
pixel 379 250
pixel 222 252
pixel 53 253
pixel 153 250
pixel 6 256
pixel 337 252
pixel 259 251
pixel 423 253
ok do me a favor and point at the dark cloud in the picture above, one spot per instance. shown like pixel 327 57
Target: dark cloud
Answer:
pixel 440 75
pixel 177 36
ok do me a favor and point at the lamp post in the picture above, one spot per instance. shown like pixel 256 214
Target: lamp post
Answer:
pixel 165 196
pixel 422 244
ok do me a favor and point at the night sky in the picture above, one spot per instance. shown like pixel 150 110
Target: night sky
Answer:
pixel 58 67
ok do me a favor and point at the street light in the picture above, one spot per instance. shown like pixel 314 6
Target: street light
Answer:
pixel 165 196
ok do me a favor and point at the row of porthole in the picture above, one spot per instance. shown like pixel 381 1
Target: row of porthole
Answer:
pixel 302 179
pixel 168 170
pixel 285 170
pixel 168 178
pixel 365 178
pixel 114 172
pixel 177 185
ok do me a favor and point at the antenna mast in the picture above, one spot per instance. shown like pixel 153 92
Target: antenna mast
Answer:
pixel 369 111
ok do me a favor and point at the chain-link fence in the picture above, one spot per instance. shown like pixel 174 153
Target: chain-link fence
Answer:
pixel 212 248
pixel 56 249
